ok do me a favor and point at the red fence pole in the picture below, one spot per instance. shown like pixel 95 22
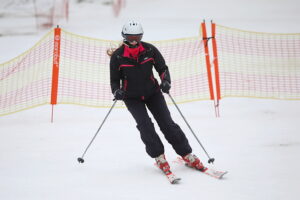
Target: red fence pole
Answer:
pixel 216 62
pixel 207 59
pixel 55 69
pixel 216 67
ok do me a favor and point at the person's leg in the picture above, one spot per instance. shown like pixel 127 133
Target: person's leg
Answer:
pixel 172 132
pixel 137 108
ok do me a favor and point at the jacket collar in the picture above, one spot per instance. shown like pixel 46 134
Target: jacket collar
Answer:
pixel 133 52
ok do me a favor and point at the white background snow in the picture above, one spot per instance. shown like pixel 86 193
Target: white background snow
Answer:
pixel 256 140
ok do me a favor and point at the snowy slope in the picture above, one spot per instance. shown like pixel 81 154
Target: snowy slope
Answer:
pixel 257 141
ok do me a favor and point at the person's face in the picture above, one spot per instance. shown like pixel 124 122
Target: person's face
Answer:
pixel 133 39
pixel 133 43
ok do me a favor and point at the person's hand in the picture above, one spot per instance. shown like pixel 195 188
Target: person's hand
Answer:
pixel 119 94
pixel 165 86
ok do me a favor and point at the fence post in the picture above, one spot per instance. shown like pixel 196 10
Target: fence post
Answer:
pixel 207 59
pixel 216 67
pixel 55 69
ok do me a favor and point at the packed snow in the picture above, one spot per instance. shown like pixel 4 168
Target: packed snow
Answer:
pixel 257 141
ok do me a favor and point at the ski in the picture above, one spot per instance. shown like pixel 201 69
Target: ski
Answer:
pixel 214 173
pixel 208 171
pixel 173 179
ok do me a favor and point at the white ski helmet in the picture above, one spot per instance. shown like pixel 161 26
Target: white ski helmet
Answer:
pixel 132 27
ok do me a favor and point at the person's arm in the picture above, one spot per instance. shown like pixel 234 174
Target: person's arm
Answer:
pixel 115 76
pixel 163 70
pixel 165 76
pixel 160 65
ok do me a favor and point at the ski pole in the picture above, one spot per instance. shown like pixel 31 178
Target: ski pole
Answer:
pixel 210 160
pixel 80 159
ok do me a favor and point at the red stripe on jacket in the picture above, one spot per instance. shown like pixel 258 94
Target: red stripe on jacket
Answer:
pixel 125 85
pixel 162 76
pixel 147 60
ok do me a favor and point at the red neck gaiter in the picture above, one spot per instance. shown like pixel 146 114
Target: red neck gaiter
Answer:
pixel 133 52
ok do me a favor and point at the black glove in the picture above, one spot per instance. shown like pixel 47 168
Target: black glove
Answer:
pixel 119 94
pixel 165 86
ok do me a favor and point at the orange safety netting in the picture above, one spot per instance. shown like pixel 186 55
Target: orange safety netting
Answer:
pixel 84 69
pixel 25 81
pixel 259 65
pixel 65 68
pixel 82 76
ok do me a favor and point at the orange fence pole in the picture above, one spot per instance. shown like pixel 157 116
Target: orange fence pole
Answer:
pixel 216 68
pixel 216 62
pixel 207 59
pixel 55 69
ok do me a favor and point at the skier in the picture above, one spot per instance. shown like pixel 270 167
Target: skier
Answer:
pixel 132 80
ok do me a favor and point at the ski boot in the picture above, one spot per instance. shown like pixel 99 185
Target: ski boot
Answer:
pixel 193 161
pixel 162 163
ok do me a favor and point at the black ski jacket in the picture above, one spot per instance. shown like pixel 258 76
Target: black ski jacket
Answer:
pixel 136 77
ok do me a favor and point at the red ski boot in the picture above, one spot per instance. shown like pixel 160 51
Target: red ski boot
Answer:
pixel 192 161
pixel 162 163
pixel 165 167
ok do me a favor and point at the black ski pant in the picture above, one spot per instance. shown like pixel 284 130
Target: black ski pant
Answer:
pixel 172 132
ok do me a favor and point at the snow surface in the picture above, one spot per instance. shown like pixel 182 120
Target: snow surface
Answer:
pixel 256 140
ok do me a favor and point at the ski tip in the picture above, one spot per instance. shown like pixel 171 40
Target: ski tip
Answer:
pixel 221 176
pixel 225 172
pixel 176 181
